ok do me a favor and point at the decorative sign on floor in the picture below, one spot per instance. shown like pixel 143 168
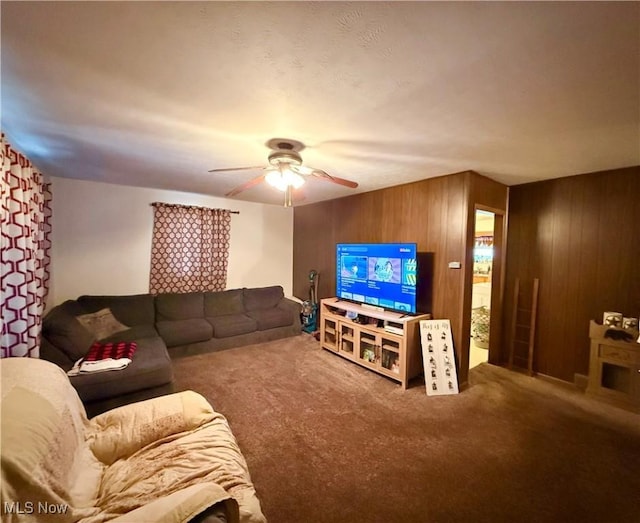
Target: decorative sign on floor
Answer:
pixel 439 360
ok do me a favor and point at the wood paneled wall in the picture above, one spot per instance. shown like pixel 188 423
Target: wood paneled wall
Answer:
pixel 580 236
pixel 436 214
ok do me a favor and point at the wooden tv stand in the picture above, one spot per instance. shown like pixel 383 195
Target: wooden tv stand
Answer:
pixel 393 353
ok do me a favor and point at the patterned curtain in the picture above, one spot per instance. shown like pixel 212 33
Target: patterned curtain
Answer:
pixel 190 248
pixel 24 251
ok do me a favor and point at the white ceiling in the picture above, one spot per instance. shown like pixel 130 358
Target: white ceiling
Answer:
pixel 382 93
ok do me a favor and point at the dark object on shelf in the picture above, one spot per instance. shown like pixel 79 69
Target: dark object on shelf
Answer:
pixel 618 335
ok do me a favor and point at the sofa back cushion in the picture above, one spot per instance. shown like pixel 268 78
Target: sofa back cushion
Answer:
pixel 61 328
pixel 179 306
pixel 223 303
pixel 135 309
pixel 262 297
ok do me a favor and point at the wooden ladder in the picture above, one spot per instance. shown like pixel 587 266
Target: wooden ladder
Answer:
pixel 524 321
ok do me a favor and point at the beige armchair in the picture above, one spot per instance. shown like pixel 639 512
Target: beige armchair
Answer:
pixel 163 460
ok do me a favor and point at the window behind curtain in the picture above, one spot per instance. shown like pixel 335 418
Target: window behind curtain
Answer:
pixel 190 248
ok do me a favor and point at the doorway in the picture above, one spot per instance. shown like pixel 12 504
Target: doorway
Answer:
pixel 483 279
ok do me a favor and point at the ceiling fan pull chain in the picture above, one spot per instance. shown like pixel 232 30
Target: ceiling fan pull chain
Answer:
pixel 287 196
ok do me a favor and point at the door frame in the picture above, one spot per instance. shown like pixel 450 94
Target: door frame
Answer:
pixel 498 275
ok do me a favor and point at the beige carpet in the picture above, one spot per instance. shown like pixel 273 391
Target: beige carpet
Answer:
pixel 328 441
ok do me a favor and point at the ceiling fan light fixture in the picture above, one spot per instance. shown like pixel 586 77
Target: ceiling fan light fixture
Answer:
pixel 284 177
pixel 274 178
pixel 293 179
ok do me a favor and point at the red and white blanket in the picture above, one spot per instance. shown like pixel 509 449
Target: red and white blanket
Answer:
pixel 105 356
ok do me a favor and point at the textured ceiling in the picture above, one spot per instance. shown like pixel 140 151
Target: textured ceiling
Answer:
pixel 382 93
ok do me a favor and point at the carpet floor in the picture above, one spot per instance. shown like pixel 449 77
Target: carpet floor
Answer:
pixel 328 441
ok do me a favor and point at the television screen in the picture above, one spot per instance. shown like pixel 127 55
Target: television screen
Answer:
pixel 380 274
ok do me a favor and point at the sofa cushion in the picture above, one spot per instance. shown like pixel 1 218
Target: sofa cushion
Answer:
pixel 102 323
pixel 182 332
pixel 179 306
pixel 64 331
pixel 136 309
pixel 232 325
pixel 150 367
pixel 271 318
pixel 223 302
pixel 263 297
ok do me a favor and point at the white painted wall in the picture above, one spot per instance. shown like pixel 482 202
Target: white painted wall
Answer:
pixel 101 239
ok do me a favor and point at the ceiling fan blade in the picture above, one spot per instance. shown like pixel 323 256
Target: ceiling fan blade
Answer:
pixel 247 185
pixel 237 169
pixel 319 173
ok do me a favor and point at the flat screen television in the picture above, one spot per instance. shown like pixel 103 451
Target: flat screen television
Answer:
pixel 392 276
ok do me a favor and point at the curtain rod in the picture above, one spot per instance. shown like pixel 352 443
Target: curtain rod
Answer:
pixel 190 206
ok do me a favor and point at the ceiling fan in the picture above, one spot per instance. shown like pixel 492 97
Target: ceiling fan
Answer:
pixel 284 171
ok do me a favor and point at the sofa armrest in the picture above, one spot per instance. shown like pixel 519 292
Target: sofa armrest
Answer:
pixel 49 352
pixel 120 432
pixel 183 505
pixel 292 307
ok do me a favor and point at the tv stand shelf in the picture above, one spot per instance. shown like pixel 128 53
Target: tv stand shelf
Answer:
pixel 385 342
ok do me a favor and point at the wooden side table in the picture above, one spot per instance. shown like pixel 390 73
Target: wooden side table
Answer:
pixel 614 368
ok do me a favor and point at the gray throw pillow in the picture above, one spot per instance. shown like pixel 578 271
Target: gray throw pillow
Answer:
pixel 102 323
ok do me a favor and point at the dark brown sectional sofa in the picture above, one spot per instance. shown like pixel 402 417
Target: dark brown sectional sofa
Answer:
pixel 163 326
